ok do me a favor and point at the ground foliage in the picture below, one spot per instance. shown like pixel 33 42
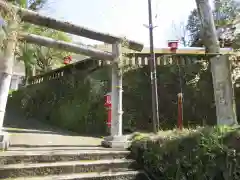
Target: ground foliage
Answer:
pixel 211 153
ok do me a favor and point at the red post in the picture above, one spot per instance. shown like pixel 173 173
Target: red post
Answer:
pixel 108 106
pixel 173 45
pixel 109 120
pixel 180 111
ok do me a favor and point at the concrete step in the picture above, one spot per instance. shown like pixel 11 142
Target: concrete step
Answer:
pixel 126 175
pixel 56 168
pixel 15 148
pixel 16 157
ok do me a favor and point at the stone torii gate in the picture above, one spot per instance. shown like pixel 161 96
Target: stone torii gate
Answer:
pixel 116 139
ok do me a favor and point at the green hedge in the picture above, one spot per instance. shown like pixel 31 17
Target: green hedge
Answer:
pixel 200 154
pixel 75 102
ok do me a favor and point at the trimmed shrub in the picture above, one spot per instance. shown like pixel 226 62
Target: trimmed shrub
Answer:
pixel 75 101
pixel 211 153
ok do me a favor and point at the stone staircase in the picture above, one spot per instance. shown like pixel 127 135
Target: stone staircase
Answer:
pixel 68 164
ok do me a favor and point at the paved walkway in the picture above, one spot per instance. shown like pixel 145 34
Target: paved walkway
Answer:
pixel 34 134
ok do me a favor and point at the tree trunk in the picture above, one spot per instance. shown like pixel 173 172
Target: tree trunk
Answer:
pixel 209 34
pixel 220 67
pixel 6 66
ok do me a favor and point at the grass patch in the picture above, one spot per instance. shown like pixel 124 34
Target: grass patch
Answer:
pixel 204 153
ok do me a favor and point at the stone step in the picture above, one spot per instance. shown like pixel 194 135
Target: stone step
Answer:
pixel 56 168
pixel 16 157
pixel 126 175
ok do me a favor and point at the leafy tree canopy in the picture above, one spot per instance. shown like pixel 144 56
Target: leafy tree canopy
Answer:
pixel 37 57
pixel 225 11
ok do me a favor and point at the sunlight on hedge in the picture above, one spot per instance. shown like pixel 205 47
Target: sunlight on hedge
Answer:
pixel 199 154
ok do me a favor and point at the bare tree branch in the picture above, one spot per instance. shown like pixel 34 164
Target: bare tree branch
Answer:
pixel 181 33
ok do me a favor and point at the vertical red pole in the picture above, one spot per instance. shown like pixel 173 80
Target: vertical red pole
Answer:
pixel 180 111
pixel 109 120
pixel 108 105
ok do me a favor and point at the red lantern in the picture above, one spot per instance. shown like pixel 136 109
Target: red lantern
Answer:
pixel 67 60
pixel 173 45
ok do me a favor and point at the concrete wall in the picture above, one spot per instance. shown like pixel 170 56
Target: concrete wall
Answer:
pixel 18 75
pixel 16 82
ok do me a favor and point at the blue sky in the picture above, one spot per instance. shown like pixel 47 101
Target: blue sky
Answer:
pixel 124 17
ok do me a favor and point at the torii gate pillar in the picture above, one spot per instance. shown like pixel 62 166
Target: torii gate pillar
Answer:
pixel 116 139
pixel 6 70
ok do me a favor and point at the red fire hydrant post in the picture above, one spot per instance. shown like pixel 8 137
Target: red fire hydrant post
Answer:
pixel 108 106
pixel 180 111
